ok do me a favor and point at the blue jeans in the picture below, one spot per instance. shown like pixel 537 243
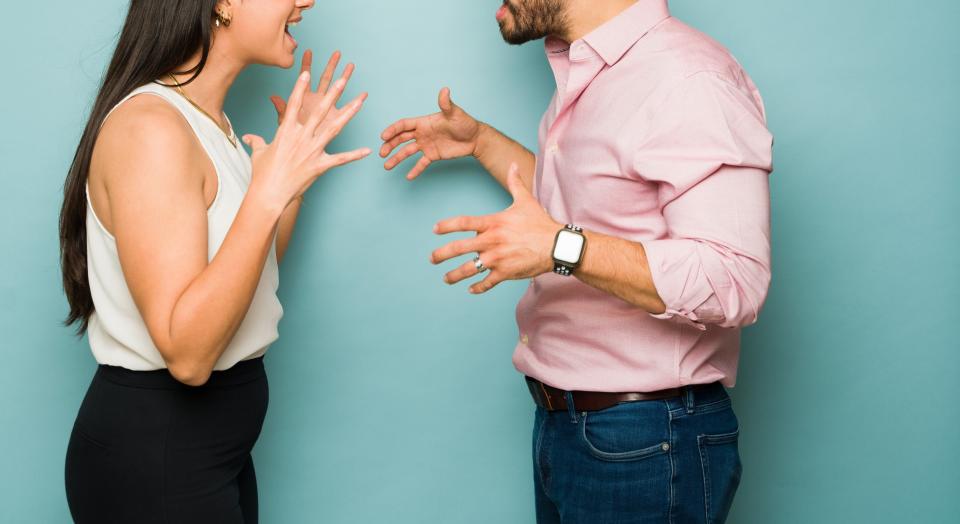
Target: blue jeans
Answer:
pixel 669 461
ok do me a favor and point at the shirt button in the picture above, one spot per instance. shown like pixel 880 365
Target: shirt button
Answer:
pixel 524 340
pixel 554 148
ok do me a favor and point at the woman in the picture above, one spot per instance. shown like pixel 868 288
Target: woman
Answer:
pixel 170 240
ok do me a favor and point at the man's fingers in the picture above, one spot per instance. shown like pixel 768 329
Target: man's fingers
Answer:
pixel 515 183
pixel 386 148
pixel 419 168
pixel 446 104
pixel 400 126
pixel 494 278
pixel 462 223
pixel 457 248
pixel 328 72
pixel 464 271
pixel 403 154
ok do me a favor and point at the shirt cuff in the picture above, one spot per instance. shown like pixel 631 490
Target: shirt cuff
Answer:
pixel 682 284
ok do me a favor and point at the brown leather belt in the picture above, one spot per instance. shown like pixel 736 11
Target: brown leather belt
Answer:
pixel 553 399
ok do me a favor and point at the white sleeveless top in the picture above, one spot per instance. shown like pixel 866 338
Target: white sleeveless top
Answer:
pixel 117 333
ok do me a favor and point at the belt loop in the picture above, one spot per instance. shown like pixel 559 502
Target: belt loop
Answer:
pixel 571 408
pixel 688 400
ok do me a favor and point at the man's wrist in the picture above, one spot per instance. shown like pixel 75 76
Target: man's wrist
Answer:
pixel 550 263
pixel 482 142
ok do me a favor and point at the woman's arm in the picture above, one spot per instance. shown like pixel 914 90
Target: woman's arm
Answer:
pixel 192 308
pixel 151 167
pixel 288 222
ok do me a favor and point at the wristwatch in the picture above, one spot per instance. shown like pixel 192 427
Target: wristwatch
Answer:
pixel 568 249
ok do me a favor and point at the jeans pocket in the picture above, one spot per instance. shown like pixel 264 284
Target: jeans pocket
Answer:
pixel 720 460
pixel 619 435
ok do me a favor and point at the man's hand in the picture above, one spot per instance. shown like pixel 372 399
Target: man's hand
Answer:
pixel 451 133
pixel 312 99
pixel 514 244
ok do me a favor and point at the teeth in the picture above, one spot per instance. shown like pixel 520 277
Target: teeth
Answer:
pixel 293 24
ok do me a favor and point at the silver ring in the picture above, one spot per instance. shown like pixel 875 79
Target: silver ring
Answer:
pixel 479 265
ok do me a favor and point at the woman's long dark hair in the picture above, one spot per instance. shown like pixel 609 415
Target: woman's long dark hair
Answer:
pixel 157 37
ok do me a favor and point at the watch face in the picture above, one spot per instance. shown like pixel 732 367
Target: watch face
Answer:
pixel 569 247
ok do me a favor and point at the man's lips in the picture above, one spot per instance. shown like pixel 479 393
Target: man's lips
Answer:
pixel 502 12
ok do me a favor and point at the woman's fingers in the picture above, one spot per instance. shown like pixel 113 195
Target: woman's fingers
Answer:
pixel 340 159
pixel 318 114
pixel 328 72
pixel 306 63
pixel 347 73
pixel 328 130
pixel 255 142
pixel 296 100
pixel 280 105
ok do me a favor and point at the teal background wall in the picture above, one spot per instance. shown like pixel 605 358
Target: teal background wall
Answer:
pixel 848 386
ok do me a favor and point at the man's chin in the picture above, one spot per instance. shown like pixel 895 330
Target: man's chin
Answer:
pixel 514 38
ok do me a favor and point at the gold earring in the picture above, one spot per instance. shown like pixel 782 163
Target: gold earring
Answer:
pixel 219 20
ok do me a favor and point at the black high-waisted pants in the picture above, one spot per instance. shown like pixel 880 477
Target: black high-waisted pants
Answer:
pixel 148 449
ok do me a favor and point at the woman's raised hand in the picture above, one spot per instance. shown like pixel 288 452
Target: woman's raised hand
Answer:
pixel 285 168
pixel 313 97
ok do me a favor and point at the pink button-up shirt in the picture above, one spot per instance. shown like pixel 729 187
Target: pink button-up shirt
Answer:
pixel 655 135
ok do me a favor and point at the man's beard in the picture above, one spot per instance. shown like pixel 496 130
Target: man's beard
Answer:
pixel 533 20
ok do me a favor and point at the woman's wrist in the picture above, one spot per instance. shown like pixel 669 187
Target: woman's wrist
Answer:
pixel 272 206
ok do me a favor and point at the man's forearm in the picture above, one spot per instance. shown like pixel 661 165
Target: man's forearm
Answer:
pixel 620 267
pixel 496 152
pixel 288 222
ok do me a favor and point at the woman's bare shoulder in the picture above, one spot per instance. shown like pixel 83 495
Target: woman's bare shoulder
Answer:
pixel 145 133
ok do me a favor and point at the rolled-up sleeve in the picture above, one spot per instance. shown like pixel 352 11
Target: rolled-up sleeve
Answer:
pixel 710 154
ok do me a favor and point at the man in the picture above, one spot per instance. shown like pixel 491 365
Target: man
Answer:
pixel 655 153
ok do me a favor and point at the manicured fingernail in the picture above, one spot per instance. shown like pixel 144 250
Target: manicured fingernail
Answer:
pixel 436 227
pixel 304 76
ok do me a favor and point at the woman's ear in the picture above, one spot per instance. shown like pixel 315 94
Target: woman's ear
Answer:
pixel 223 13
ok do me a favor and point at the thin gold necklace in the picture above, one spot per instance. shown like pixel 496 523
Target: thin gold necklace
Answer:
pixel 231 136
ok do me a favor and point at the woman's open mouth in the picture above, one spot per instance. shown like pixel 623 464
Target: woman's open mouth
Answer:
pixel 286 31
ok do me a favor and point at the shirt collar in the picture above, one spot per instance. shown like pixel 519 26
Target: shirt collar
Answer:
pixel 615 37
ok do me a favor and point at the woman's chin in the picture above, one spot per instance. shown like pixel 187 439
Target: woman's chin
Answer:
pixel 283 61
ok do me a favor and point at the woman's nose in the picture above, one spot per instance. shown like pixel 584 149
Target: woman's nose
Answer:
pixel 305 4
